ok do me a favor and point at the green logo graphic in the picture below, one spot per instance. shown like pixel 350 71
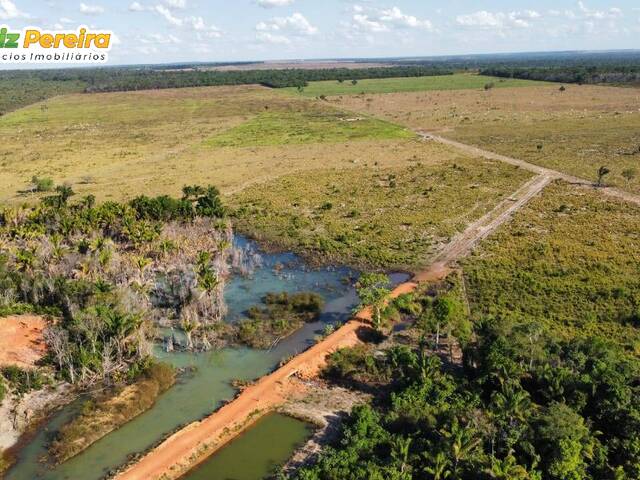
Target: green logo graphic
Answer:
pixel 8 39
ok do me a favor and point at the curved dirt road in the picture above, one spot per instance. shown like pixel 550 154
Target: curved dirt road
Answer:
pixel 613 192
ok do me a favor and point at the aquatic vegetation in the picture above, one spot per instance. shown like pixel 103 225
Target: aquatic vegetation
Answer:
pixel 281 314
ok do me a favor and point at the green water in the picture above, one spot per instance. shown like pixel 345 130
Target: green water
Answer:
pixel 201 392
pixel 257 452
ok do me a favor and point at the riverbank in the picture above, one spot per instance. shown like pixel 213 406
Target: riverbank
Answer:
pixel 103 414
pixel 193 444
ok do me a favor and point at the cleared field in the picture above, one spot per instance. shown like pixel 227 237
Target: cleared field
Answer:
pixel 373 215
pixel 460 81
pixel 569 260
pixel 118 145
pixel 321 126
pixel 575 131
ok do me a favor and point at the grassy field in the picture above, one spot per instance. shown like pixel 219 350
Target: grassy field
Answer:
pixel 20 93
pixel 374 216
pixel 118 145
pixel 569 260
pixel 459 81
pixel 312 126
pixel 574 131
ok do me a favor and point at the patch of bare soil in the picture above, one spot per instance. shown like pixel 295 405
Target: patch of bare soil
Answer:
pixel 326 407
pixel 21 340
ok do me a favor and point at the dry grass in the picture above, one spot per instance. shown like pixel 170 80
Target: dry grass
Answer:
pixel 118 145
pixel 575 131
pixel 377 214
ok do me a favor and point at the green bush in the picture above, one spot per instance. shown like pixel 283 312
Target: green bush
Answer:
pixel 24 380
pixel 42 184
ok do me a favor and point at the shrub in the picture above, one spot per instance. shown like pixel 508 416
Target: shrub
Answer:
pixel 24 380
pixel 42 184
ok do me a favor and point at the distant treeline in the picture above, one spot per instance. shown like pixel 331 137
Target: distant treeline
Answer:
pixel 24 87
pixel 127 79
pixel 623 74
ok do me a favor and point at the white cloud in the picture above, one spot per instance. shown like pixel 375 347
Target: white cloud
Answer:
pixel 295 24
pixel 364 23
pixel 613 12
pixel 91 9
pixel 280 30
pixel 374 20
pixel 179 4
pixel 8 10
pixel 395 16
pixel 499 20
pixel 136 7
pixel 168 16
pixel 267 37
pixel 195 23
pixel 274 3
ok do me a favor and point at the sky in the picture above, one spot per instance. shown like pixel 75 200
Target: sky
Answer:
pixel 164 31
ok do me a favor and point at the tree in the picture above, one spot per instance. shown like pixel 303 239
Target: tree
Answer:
pixel 439 468
pixel 565 443
pixel 602 172
pixel 445 314
pixel 463 444
pixel 373 291
pixel 507 469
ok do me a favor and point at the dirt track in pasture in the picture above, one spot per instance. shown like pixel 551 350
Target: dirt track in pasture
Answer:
pixel 198 440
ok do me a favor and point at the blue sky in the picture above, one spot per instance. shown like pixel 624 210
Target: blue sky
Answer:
pixel 157 31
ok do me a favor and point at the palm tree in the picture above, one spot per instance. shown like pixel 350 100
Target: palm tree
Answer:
pixel 513 402
pixel 400 451
pixel 188 327
pixel 463 443
pixel 440 468
pixel 507 469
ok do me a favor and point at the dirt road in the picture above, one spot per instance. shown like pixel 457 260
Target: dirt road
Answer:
pixel 195 442
pixel 614 192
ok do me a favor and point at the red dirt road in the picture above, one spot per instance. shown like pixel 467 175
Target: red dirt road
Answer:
pixel 185 448
pixel 195 442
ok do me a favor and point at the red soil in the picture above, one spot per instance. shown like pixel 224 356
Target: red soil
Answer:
pixel 21 341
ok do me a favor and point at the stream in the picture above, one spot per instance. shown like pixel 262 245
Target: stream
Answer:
pixel 204 389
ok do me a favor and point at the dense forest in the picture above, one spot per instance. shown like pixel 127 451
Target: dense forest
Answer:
pixel 622 74
pixel 519 405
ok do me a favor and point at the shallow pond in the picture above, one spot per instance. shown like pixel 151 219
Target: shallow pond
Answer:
pixel 257 452
pixel 200 392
